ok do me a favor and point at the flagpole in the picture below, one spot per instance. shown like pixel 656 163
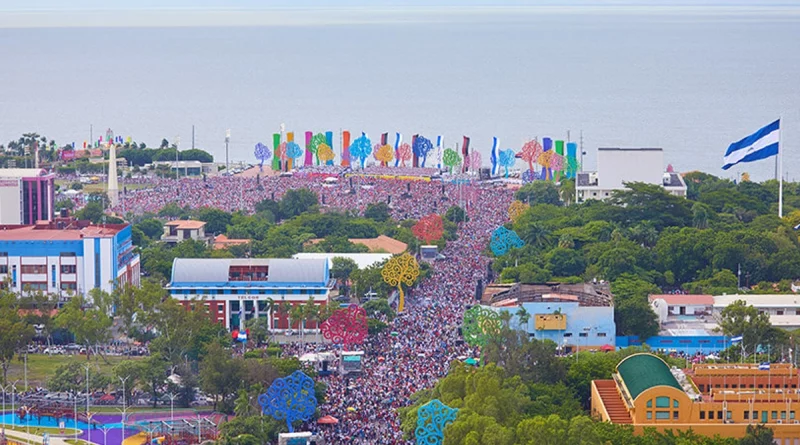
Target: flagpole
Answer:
pixel 780 174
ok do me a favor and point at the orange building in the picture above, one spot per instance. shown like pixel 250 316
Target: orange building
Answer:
pixel 718 399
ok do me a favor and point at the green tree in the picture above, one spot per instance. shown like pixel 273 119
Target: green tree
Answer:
pixel 632 312
pixel 14 332
pixel 456 214
pixel 297 201
pixel 739 319
pixel 151 227
pixel 757 435
pixel 538 192
pixel 377 212
pixel 93 211
pixel 217 220
pixel 87 319
pixel 532 360
pixel 220 375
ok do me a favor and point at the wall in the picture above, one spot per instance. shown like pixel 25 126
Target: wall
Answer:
pixel 11 199
pixel 704 344
pixel 596 322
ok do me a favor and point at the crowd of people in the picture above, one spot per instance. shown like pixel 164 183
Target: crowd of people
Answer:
pixel 419 345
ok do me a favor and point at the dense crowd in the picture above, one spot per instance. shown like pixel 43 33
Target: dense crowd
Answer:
pixel 419 345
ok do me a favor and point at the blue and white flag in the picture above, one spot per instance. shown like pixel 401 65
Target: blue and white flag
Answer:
pixel 763 366
pixel 759 145
pixel 735 340
pixel 494 156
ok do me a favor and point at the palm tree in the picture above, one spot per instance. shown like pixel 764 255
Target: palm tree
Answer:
pixel 283 310
pixel 537 235
pixel 566 241
pixel 296 315
pixel 524 317
pixel 505 317
pixel 269 307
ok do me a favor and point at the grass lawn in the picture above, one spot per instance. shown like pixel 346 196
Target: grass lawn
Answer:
pixel 41 366
pixel 39 430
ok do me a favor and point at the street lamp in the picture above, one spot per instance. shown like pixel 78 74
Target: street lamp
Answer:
pixel 27 419
pixel 124 409
pixel 105 430
pixel 87 391
pixel 227 142
pixel 13 394
pixel 3 388
pixel 172 407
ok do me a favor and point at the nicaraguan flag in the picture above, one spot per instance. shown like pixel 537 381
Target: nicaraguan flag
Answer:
pixel 759 145
pixel 735 340
pixel 763 366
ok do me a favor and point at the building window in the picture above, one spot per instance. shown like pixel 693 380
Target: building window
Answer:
pixel 601 334
pixel 662 402
pixel 774 414
pixel 72 254
pixel 711 415
pixel 649 403
pixel 675 415
pixel 674 403
pixel 662 415
pixel 778 312
pixel 33 268
pixel 3 254
pixel 3 268
pixel 649 415
pixel 746 415
pixel 783 415
pixel 34 286
pixel 728 415
pixel 568 334
pixel 69 286
pixel 583 334
pixel 702 415
pixel 67 268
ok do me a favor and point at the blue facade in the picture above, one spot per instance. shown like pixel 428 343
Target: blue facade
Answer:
pixel 704 344
pixel 587 326
pixel 41 248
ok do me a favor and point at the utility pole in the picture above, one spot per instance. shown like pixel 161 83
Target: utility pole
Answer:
pixel 227 142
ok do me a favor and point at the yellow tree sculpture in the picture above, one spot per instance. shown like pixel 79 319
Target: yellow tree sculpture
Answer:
pixel 516 209
pixel 325 153
pixel 400 270
pixel 385 154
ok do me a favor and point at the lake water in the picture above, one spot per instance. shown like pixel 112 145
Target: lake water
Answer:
pixel 690 83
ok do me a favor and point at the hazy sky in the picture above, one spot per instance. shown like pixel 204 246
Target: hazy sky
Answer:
pixel 171 13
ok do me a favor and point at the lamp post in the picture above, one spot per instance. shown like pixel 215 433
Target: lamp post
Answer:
pixel 105 430
pixel 13 395
pixel 3 388
pixel 27 419
pixel 124 409
pixel 172 407
pixel 227 142
pixel 87 391
pixel 75 412
pixel 199 434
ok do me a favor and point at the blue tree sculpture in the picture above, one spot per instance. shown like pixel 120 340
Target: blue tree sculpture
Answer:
pixel 432 418
pixel 503 240
pixel 422 146
pixel 290 398
pixel 293 151
pixel 361 148
pixel 507 159
pixel 262 153
pixel 528 176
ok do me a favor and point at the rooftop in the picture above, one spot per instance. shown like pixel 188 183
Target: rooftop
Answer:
pixel 22 172
pixel 222 241
pixel 362 260
pixel 586 294
pixel 51 232
pixel 214 271
pixel 763 301
pixel 684 300
pixel 641 372
pixel 190 224
pixel 382 243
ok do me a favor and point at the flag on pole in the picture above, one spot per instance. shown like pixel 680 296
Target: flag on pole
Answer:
pixel 736 340
pixel 760 145
pixel 763 366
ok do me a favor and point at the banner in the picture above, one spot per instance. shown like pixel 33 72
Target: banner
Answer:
pixel 345 148
pixel 276 159
pixel 415 159
pixel 309 156
pixel 329 141
pixel 465 155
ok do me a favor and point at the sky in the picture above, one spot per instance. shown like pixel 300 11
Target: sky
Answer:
pixel 199 13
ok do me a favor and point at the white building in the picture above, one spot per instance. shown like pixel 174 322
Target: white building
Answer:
pixel 67 256
pixel 182 230
pixel 616 166
pixel 26 195
pixel 783 309
pixel 362 260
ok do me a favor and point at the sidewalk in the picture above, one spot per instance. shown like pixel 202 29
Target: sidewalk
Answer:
pixel 33 438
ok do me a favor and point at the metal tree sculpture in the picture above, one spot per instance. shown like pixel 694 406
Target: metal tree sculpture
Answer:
pixel 530 153
pixel 432 418
pixel 544 161
pixel 429 228
pixel 473 160
pixel 480 325
pixel 556 162
pixel 503 240
pixel 404 154
pixel 280 152
pixel 422 146
pixel 361 148
pixel 451 158
pixel 573 167
pixel 290 398
pixel 516 209
pixel 325 153
pixel 293 151
pixel 507 159
pixel 384 154
pixel 317 140
pixel 347 326
pixel 528 176
pixel 400 270
pixel 262 153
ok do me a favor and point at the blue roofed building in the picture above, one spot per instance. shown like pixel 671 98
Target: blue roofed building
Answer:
pixel 576 317
pixel 236 290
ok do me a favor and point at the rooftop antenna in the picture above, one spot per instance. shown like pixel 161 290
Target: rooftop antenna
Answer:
pixel 582 151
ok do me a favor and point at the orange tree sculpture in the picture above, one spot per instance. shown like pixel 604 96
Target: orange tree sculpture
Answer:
pixel 400 270
pixel 429 228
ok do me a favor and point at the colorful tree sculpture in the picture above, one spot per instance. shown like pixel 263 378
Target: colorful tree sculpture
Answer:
pixel 507 159
pixel 429 228
pixel 280 152
pixel 347 326
pixel 290 399
pixel 451 159
pixel 422 146
pixel 325 153
pixel 573 167
pixel 293 151
pixel 384 154
pixel 473 160
pixel 262 153
pixel 556 162
pixel 516 209
pixel 528 176
pixel 316 140
pixel 361 148
pixel 432 418
pixel 544 161
pixel 530 153
pixel 479 325
pixel 400 270
pixel 404 154
pixel 503 240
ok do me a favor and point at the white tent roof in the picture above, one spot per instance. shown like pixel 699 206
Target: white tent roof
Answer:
pixel 363 260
